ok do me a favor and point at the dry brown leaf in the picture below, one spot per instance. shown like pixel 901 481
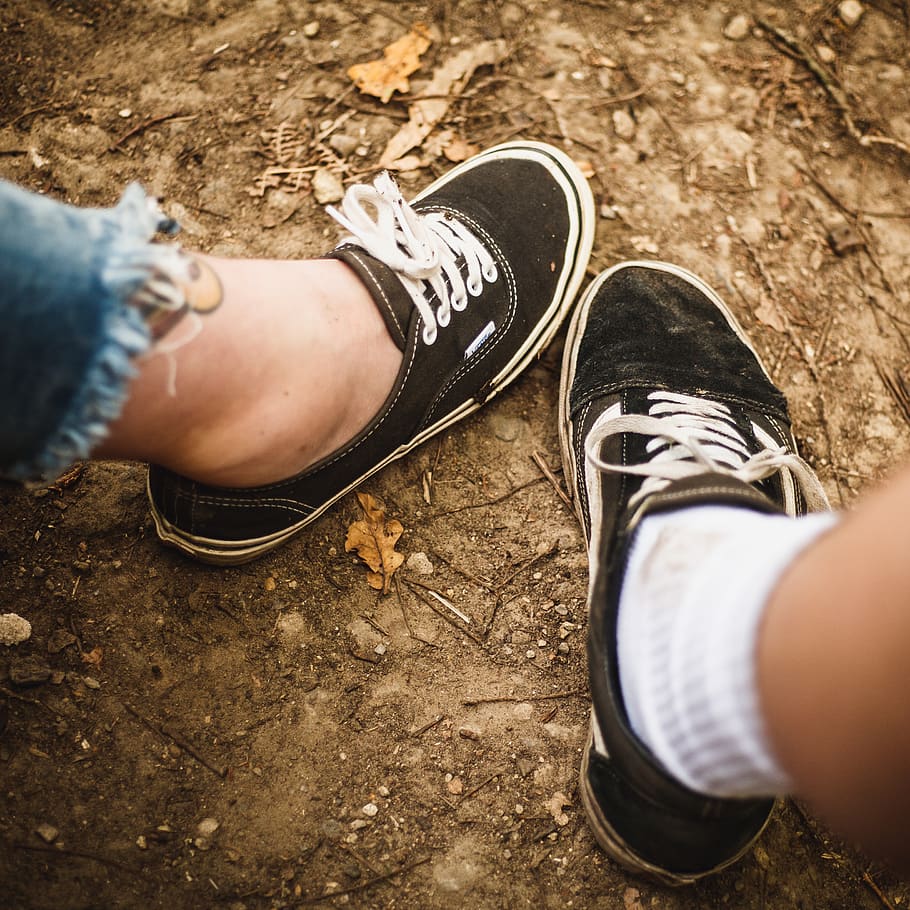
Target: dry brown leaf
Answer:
pixel 389 74
pixel 459 150
pixel 447 83
pixel 374 539
pixel 93 657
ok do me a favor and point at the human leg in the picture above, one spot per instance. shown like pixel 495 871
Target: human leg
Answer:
pixel 311 376
pixel 679 450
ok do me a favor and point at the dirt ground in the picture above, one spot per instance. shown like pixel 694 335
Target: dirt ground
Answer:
pixel 174 735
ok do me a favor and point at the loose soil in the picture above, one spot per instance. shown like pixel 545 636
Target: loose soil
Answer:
pixel 440 772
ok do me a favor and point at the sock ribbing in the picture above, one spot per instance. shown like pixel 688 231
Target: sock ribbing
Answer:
pixel 696 584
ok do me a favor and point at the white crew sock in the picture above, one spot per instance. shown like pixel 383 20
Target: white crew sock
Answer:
pixel 696 584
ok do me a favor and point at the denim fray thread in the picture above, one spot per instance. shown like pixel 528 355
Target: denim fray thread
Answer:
pixel 133 273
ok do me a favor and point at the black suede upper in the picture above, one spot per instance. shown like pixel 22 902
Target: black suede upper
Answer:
pixel 532 213
pixel 642 329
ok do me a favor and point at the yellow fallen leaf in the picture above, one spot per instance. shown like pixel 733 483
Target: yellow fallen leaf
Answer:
pixel 385 76
pixel 373 538
pixel 459 150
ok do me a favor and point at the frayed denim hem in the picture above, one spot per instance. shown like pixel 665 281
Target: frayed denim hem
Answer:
pixel 132 276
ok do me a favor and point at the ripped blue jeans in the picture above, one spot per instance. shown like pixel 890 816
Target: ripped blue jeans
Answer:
pixel 77 287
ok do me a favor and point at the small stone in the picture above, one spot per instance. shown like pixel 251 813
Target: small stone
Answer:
pixel 623 124
pixel 850 12
pixel 14 629
pixel 381 648
pixel 843 238
pixel 358 824
pixel 825 53
pixel 125 112
pixel 519 637
pixel 327 186
pixel 39 572
pixel 91 682
pixel 420 563
pixel 384 792
pixel 47 833
pixel 566 629
pixel 455 786
pixel 208 826
pixel 525 766
pixel 311 29
pixel 269 584
pixel 28 671
pixel 505 428
pixel 58 640
pixel 469 731
pixel 344 144
pixel 561 610
pixel 738 28
pixel 370 810
pixel 530 654
pixel 141 842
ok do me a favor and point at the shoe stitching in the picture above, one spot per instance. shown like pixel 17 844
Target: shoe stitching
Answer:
pixel 494 340
pixel 352 251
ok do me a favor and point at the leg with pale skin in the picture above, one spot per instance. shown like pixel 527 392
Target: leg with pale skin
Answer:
pixel 294 362
pixel 833 670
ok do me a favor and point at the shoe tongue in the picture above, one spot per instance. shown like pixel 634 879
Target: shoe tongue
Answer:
pixel 385 287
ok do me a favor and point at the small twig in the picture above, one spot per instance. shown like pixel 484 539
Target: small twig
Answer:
pixel 29 701
pixel 415 586
pixel 429 726
pixel 481 700
pixel 28 113
pixel 142 127
pixel 894 383
pixel 481 785
pixel 477 580
pixel 832 87
pixel 178 740
pixel 538 459
pixel 877 891
pixel 82 854
pixel 490 502
pixel 363 886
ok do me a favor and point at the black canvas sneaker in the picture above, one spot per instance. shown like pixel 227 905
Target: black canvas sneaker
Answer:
pixel 473 278
pixel 664 404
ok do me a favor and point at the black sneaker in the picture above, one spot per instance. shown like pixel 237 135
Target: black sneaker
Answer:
pixel 664 404
pixel 473 279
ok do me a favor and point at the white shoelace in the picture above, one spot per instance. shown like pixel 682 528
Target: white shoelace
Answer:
pixel 419 247
pixel 693 436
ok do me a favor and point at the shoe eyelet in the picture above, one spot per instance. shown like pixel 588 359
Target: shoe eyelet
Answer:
pixel 459 303
pixel 491 274
pixel 429 335
pixel 443 318
pixel 475 288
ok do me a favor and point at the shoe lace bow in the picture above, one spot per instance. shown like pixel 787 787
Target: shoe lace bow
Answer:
pixel 426 247
pixel 693 436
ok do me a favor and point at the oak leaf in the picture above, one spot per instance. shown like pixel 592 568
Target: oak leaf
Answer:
pixel 388 74
pixel 373 538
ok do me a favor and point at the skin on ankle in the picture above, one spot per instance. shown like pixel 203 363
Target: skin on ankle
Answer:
pixel 292 364
pixel 832 673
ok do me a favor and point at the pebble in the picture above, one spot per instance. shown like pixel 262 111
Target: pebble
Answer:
pixel 311 29
pixel 141 842
pixel 455 786
pixel 825 53
pixel 327 186
pixel 561 610
pixel 58 640
pixel 370 810
pixel 384 792
pixel 623 124
pixel 344 144
pixel 47 833
pixel 208 826
pixel 850 12
pixel 358 824
pixel 519 637
pixel 505 428
pixel 530 654
pixel 420 563
pixel 737 28
pixel 91 682
pixel 14 629
pixel 562 648
pixel 29 672
pixel 469 731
